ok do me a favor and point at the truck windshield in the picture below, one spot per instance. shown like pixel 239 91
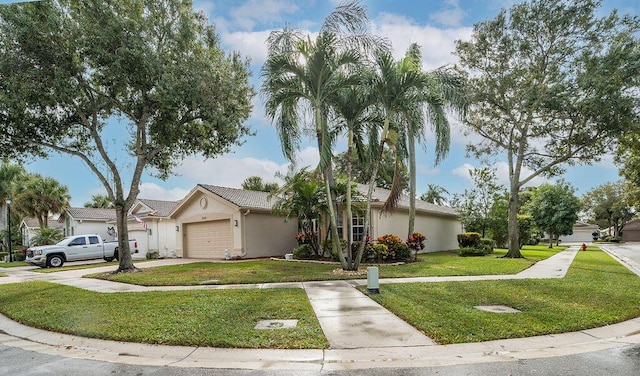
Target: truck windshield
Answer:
pixel 64 241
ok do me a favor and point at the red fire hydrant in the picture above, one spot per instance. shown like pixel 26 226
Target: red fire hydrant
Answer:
pixel 583 247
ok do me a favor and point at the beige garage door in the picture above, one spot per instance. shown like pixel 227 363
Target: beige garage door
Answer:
pixel 208 239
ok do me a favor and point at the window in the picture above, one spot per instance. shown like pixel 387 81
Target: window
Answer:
pixel 78 241
pixel 93 240
pixel 358 228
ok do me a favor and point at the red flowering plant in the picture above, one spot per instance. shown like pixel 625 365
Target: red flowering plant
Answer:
pixel 415 242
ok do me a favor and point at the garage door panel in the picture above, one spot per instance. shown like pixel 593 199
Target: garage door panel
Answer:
pixel 208 239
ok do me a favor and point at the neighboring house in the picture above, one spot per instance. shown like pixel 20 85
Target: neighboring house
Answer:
pixel 581 233
pixel 212 219
pixel 149 224
pixel 78 221
pixel 30 228
pixel 440 224
pixel 631 231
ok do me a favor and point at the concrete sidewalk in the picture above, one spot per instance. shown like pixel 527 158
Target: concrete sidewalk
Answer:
pixel 361 333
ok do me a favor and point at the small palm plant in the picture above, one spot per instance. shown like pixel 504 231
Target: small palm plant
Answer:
pixel 47 236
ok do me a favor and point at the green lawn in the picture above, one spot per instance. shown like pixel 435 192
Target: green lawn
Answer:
pixel 220 318
pixel 596 291
pixel 13 264
pixel 265 271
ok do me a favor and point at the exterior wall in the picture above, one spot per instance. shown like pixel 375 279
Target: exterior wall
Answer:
pixel 81 227
pixel 28 233
pixel 631 231
pixel 203 207
pixel 441 231
pixel 268 235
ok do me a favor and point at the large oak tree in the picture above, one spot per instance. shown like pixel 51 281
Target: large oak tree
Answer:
pixel 153 68
pixel 550 86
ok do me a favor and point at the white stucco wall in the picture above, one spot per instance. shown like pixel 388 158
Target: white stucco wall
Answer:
pixel 83 227
pixel 441 231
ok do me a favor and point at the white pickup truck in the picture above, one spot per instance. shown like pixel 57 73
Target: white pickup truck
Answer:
pixel 75 248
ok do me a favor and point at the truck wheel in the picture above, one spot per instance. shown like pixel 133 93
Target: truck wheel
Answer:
pixel 55 261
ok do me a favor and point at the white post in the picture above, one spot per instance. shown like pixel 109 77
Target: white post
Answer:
pixel 373 284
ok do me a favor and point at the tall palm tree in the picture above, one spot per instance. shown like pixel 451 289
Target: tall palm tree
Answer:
pixel 434 194
pixel 10 174
pixel 39 196
pixel 99 201
pixel 301 72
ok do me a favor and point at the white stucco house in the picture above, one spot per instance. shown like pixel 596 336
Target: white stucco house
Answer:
pixel 77 221
pixel 149 224
pixel 30 228
pixel 581 233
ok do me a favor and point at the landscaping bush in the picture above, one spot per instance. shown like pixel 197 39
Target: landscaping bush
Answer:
pixel 471 251
pixel 368 250
pixel 20 255
pixel 397 250
pixel 416 243
pixel 2 254
pixel 327 248
pixel 303 252
pixel 153 255
pixel 469 239
pixel 487 245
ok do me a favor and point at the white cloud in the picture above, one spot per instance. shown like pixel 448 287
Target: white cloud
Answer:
pixel 450 15
pixel 502 174
pixel 248 43
pixel 254 12
pixel 153 191
pixel 437 44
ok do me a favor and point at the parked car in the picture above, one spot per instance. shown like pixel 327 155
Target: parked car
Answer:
pixel 75 248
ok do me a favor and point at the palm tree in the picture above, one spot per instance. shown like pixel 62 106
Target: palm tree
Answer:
pixel 434 194
pixel 39 196
pixel 99 201
pixel 47 236
pixel 10 174
pixel 303 72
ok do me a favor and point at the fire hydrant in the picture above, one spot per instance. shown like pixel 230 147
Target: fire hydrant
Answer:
pixel 583 247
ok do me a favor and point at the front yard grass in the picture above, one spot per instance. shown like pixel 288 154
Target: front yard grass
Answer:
pixel 13 264
pixel 267 271
pixel 220 318
pixel 596 291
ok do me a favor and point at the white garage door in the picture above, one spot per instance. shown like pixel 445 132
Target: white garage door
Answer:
pixel 208 239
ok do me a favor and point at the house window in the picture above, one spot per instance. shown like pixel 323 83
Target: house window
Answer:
pixel 358 228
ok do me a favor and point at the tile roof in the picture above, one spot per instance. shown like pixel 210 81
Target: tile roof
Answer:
pixel 92 213
pixel 33 223
pixel 243 198
pixel 162 208
pixel 380 195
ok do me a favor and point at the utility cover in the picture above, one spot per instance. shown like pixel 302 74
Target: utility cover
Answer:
pixel 497 309
pixel 276 324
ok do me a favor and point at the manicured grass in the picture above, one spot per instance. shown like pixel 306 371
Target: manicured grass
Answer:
pixel 13 264
pixel 3 275
pixel 84 266
pixel 217 318
pixel 596 291
pixel 265 271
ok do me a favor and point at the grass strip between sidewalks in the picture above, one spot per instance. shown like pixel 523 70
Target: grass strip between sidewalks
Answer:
pixel 220 318
pixel 597 291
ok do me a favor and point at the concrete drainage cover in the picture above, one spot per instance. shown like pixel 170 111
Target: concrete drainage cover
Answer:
pixel 276 324
pixel 497 309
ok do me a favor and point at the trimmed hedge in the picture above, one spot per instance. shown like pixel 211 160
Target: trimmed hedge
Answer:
pixel 469 239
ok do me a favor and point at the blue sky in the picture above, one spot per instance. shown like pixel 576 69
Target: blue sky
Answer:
pixel 244 25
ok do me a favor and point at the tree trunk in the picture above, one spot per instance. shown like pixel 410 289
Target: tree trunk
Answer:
pixel 348 203
pixel 412 183
pixel 514 231
pixel 124 253
pixel 550 240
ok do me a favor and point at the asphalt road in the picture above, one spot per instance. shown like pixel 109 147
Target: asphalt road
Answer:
pixel 619 362
pixel 628 251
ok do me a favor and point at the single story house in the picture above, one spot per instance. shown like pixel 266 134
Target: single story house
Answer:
pixel 212 221
pixel 581 233
pixel 77 221
pixel 439 224
pixel 30 228
pixel 631 231
pixel 150 225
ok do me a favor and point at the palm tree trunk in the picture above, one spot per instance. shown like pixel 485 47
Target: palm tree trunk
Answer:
pixel 412 182
pixel 348 203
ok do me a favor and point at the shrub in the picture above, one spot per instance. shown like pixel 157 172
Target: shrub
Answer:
pixel 303 252
pixel 397 250
pixel 469 239
pixel 2 254
pixel 415 242
pixel 368 250
pixel 471 251
pixel 381 252
pixel 153 255
pixel 487 245
pixel 327 248
pixel 20 255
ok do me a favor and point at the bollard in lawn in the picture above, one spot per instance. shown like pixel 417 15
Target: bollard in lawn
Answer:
pixel 372 280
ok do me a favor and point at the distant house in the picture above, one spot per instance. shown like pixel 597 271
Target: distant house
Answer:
pixel 211 220
pixel 77 221
pixel 581 233
pixel 30 228
pixel 150 225
pixel 631 231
